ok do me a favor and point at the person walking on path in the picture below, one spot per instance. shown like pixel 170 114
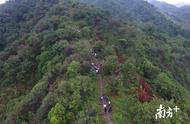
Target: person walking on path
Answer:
pixel 105 108
pixel 109 107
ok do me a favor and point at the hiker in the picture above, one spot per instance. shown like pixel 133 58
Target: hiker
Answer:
pixel 105 107
pixel 109 103
pixel 95 67
pixel 93 64
pixel 93 52
pixel 109 107
pixel 102 98
pixel 106 99
pixel 98 67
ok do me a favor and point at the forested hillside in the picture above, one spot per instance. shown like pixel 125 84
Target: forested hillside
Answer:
pixel 181 15
pixel 47 73
pixel 140 13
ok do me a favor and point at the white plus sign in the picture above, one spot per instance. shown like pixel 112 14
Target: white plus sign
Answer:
pixel 176 109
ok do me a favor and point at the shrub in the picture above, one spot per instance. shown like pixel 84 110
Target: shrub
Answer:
pixel 73 69
pixel 110 65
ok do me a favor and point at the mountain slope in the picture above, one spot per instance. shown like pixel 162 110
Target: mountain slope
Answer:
pixel 47 74
pixel 141 13
pixel 18 18
pixel 150 20
pixel 181 15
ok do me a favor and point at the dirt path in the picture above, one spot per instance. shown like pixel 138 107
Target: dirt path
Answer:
pixel 107 116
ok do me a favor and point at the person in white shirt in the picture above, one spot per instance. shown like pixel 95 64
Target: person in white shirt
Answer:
pixel 105 108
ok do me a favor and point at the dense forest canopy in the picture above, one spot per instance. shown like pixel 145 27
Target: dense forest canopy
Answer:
pixel 48 73
pixel 180 15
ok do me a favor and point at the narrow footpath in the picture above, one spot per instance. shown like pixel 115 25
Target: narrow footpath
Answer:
pixel 107 115
pixel 96 66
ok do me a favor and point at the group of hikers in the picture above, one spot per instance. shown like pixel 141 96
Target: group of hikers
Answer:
pixel 95 66
pixel 104 99
pixel 106 104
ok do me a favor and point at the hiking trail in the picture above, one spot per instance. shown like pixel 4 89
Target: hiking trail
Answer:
pixel 107 115
pixel 97 67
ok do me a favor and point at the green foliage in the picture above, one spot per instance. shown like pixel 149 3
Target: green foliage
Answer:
pixel 43 59
pixel 77 90
pixel 49 37
pixel 169 89
pixel 121 44
pixel 146 113
pixel 92 16
pixel 86 32
pixel 46 53
pixel 110 65
pixel 114 86
pixel 60 46
pixel 56 114
pixel 47 103
pixel 149 70
pixel 68 33
pixel 36 94
pixel 73 69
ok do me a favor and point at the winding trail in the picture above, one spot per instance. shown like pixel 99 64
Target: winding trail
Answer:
pixel 107 116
